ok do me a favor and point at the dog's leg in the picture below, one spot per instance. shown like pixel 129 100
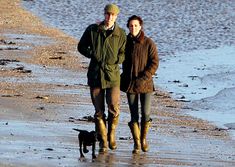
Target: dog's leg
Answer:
pixel 93 151
pixel 81 153
pixel 85 150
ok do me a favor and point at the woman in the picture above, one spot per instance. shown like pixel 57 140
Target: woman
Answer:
pixel 141 62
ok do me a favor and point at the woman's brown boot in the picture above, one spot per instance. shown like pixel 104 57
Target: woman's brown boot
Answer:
pixel 135 130
pixel 144 131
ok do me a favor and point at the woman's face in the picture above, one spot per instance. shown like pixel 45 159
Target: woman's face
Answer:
pixel 134 27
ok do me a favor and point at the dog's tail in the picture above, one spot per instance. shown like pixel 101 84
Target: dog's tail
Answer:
pixel 79 130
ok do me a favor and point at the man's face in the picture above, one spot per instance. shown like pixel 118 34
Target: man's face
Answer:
pixel 110 18
pixel 134 27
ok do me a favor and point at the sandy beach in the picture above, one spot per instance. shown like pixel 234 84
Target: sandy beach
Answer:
pixel 44 95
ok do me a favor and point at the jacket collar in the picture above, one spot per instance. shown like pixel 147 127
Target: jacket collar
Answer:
pixel 139 38
pixel 116 30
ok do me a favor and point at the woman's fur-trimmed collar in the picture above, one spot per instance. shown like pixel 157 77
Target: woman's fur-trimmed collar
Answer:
pixel 139 38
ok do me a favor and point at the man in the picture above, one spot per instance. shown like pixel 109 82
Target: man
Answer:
pixel 104 44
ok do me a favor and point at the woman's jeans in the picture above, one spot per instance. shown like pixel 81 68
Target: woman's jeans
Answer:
pixel 145 102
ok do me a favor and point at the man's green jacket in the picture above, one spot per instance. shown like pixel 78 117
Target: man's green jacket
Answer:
pixel 106 51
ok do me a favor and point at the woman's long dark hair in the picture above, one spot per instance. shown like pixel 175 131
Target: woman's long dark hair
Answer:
pixel 134 17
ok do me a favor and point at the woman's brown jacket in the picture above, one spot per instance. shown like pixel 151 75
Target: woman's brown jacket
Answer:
pixel 141 63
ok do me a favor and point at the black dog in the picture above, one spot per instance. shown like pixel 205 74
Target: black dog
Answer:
pixel 86 139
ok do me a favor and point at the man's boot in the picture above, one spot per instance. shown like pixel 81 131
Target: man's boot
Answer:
pixel 135 130
pixel 144 131
pixel 112 124
pixel 102 134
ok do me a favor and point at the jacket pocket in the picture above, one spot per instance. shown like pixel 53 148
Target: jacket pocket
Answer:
pixel 143 84
pixel 111 72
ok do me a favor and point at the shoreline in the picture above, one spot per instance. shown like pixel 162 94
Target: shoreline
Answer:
pixel 52 102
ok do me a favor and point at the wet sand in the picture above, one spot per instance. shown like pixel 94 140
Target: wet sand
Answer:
pixel 44 95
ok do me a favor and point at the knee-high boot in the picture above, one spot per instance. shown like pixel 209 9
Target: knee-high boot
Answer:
pixel 112 124
pixel 135 130
pixel 102 134
pixel 144 131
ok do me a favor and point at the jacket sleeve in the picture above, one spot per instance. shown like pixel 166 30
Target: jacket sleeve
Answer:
pixel 121 53
pixel 153 60
pixel 84 45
